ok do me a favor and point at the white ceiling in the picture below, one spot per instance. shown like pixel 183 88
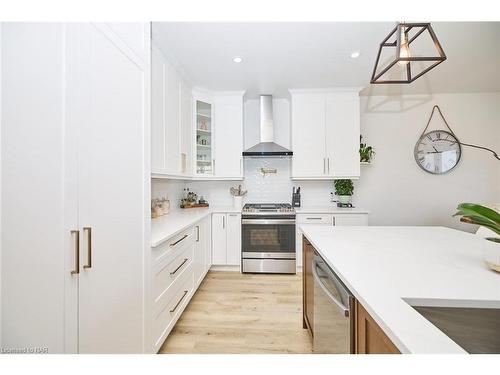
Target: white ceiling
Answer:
pixel 279 56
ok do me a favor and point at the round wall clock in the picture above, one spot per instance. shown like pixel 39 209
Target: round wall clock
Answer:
pixel 437 152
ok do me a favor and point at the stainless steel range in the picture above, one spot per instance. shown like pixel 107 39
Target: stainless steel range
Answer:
pixel 268 238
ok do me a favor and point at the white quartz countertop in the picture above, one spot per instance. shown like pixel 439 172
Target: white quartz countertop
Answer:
pixel 384 267
pixel 166 226
pixel 333 209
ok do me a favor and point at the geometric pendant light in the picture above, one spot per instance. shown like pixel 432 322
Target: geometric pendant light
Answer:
pixel 399 45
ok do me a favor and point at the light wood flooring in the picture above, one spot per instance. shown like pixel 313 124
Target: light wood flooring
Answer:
pixel 241 313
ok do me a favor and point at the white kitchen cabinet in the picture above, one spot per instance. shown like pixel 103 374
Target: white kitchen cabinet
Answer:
pixel 321 218
pixel 75 280
pixel 206 236
pixel 233 238
pixel 204 134
pixel 226 239
pixel 228 136
pixel 325 134
pixel 308 141
pixel 171 119
pixel 350 219
pixel 219 241
pixel 218 129
pixel 342 132
pixel 178 266
pixel 202 250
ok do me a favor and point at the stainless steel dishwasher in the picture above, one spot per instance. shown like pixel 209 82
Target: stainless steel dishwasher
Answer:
pixel 333 311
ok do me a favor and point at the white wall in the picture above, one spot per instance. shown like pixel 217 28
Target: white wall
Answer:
pixel 394 188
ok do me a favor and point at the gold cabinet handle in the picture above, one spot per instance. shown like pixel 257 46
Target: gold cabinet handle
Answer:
pixel 176 242
pixel 88 230
pixel 179 302
pixel 179 267
pixel 76 244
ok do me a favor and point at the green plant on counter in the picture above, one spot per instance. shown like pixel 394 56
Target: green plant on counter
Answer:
pixel 343 187
pixel 472 213
pixel 366 153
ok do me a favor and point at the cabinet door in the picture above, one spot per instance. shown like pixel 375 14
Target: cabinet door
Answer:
pixel 207 239
pixel 308 136
pixel 199 253
pixel 308 286
pixel 228 136
pixel 113 194
pixel 234 239
pixel 342 135
pixel 37 210
pixel 219 244
pixel 186 154
pixel 370 338
pixel 351 220
pixel 158 136
pixel 172 121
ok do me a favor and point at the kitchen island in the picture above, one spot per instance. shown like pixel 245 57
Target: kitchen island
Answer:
pixel 391 269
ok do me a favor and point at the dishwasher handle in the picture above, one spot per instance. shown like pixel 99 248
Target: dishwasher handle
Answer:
pixel 339 304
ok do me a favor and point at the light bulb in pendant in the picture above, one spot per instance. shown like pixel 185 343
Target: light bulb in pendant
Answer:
pixel 404 49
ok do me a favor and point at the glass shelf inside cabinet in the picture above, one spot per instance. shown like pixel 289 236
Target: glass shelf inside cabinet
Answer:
pixel 204 139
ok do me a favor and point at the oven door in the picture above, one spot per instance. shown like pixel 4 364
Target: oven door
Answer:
pixel 268 237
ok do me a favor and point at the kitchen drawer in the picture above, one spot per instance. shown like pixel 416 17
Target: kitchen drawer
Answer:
pixel 314 219
pixel 170 305
pixel 170 268
pixel 351 220
pixel 181 240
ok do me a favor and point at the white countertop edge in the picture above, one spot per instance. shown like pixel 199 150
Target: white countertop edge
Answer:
pixel 449 346
pixel 194 215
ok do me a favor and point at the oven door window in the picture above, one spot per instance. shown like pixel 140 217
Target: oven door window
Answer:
pixel 268 238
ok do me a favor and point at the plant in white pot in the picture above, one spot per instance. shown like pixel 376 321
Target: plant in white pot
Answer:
pixel 237 194
pixel 490 220
pixel 344 190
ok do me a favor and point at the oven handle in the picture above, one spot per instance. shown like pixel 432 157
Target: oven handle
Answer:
pixel 267 221
pixel 344 309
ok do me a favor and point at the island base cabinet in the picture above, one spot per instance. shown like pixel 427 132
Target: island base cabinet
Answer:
pixel 370 338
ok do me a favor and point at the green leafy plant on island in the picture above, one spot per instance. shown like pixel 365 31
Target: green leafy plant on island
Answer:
pixel 472 213
pixel 343 187
pixel 366 153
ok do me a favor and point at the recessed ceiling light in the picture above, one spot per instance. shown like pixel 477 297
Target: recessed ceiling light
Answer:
pixel 237 59
pixel 355 54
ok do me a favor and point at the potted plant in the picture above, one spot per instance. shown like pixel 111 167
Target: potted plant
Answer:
pixel 487 218
pixel 344 190
pixel 366 152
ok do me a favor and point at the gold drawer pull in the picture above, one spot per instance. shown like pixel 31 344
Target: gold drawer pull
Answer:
pixel 76 245
pixel 180 265
pixel 88 230
pixel 178 303
pixel 176 242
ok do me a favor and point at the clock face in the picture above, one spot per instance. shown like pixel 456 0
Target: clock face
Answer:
pixel 437 152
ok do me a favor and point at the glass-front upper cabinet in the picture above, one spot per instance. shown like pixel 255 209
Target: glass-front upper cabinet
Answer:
pixel 204 138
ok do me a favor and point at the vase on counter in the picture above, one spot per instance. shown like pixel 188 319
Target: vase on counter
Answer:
pixel 491 253
pixel 491 248
pixel 238 201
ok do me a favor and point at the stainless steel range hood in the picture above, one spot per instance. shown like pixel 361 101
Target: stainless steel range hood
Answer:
pixel 267 147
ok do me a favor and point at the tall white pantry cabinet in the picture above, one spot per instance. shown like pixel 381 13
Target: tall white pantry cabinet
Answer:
pixel 75 173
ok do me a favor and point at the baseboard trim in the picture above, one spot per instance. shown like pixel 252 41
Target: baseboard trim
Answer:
pixel 225 268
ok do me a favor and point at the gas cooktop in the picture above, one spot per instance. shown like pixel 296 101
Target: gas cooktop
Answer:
pixel 268 208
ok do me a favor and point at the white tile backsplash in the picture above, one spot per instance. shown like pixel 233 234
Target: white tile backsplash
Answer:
pixel 261 189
